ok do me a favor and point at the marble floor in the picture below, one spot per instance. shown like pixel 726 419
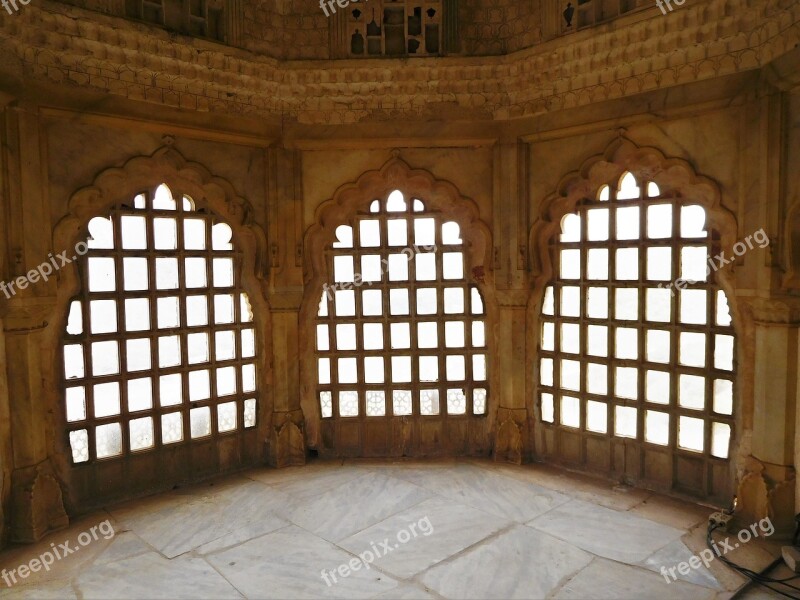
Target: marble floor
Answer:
pixel 444 529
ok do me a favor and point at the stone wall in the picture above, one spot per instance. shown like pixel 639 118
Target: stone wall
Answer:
pixel 714 86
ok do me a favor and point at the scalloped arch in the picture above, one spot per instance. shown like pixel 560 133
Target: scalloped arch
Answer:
pixel 350 198
pixel 670 174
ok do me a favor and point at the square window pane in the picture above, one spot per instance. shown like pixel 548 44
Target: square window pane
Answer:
pixel 343 269
pixel 76 404
pixel 401 369
pixel 248 343
pixel 73 361
pixel 570 301
pixel 170 390
pixel 597 303
pixel 106 399
pixel 597 416
pixel 694 266
pixel 546 371
pixel 140 394
pixel 657 387
pixel 720 439
pixel 627 264
pixel 371 269
pixel 108 440
pixel 373 369
pixel 692 349
pixel 456 368
pixel 658 346
pixel 692 392
pixel 693 222
pixel 167 273
pixel 171 428
pixel 658 303
pixel 226 381
pixel 169 351
pixel 137 314
pixel 425 232
pixel 226 417
pixel 425 266
pixel 223 272
pixel 597 379
pixel 134 232
pixel 346 336
pixel 693 306
pixel 723 352
pixel 165 233
pixel 196 311
pixel 372 303
pixel 626 382
pixel 627 343
pixel 426 301
pixel 138 354
pixel 571 375
pixel 397 232
pixel 548 410
pixel 690 433
pixel 479 367
pixel 168 311
pixel 429 368
pixel 659 264
pixel 597 340
pixel 105 358
pixel 597 224
pixel 196 276
pixel 453 300
pixel 103 316
pixel 376 403
pixel 369 233
pixel 224 345
pixel 401 402
pixel 401 335
pixel 199 385
pixel 102 274
pixel 548 336
pixel 135 273
pixel 373 336
pixel 454 334
pixel 345 301
pixel 628 223
pixel 197 345
pixel 348 403
pixel 452 265
pixel 398 302
pixel 324 371
pixel 659 221
pixel 248 378
pixel 571 338
pixel 347 370
pixel 570 411
pixel 723 396
pixel 548 302
pixel 597 264
pixel 626 304
pixel 625 421
pixel 194 234
pixel 223 308
pixel 656 427
pixel 200 421
pixel 427 335
pixel 570 264
pixel 429 402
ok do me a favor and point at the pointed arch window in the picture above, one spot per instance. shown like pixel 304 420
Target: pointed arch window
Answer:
pixel 637 344
pixel 400 331
pixel 159 347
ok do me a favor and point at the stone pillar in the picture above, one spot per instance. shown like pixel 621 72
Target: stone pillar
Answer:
pixel 513 440
pixel 35 502
pixel 287 437
pixel 767 486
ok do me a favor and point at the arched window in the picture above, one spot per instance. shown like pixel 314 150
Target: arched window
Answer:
pixel 637 344
pixel 400 331
pixel 159 347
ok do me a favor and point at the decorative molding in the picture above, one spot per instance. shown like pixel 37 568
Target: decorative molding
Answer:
pixel 52 45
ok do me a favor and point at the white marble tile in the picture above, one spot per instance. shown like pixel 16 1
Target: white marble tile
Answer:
pixel 310 480
pixel 604 579
pixel 124 545
pixel 497 494
pixel 248 531
pixel 289 564
pixel 520 563
pixel 605 532
pixel 441 528
pixel 674 553
pixel 354 505
pixel 154 577
pixel 176 528
pixel 406 591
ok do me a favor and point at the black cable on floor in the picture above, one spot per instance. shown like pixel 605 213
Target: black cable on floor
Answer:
pixel 754 577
